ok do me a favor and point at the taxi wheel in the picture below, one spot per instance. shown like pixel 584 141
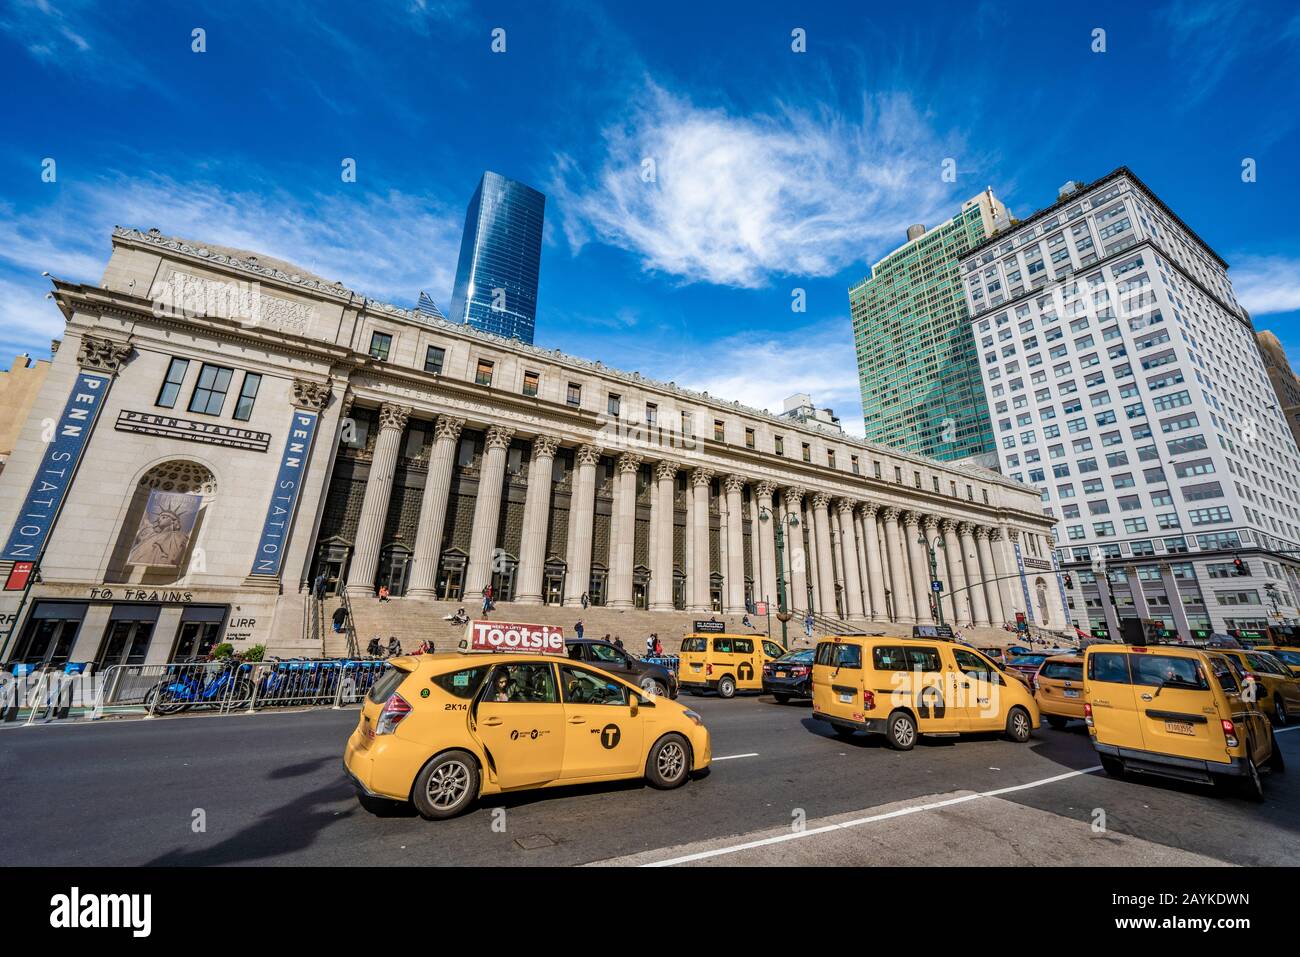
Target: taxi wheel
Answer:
pixel 654 688
pixel 900 731
pixel 1279 710
pixel 781 698
pixel 1056 721
pixel 1276 763
pixel 669 762
pixel 1019 725
pixel 446 786
pixel 1252 786
pixel 726 687
pixel 1112 766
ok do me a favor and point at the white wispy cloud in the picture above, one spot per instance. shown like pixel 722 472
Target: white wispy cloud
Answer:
pixel 1266 284
pixel 737 200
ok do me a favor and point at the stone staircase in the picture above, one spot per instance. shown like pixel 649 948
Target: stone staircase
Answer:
pixel 415 620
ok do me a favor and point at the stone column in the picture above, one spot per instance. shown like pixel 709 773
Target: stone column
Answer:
pixel 735 554
pixel 849 549
pixel 988 572
pixel 537 508
pixel 970 559
pixel 795 553
pixel 766 540
pixel 956 584
pixel 860 547
pixel 875 563
pixel 825 563
pixel 661 571
pixel 433 508
pixel 374 505
pixel 487 510
pixel 755 549
pixel 582 504
pixel 903 611
pixel 700 565
pixel 622 531
pixel 814 579
pixel 1008 587
pixel 920 560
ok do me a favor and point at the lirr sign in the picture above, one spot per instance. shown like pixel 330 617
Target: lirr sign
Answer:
pixel 284 497
pixel 62 453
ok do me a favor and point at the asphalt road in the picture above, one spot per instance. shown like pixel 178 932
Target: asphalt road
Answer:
pixel 269 789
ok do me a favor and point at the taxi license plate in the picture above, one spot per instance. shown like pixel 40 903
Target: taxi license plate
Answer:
pixel 780 674
pixel 1179 727
pixel 846 699
pixel 1072 692
pixel 696 667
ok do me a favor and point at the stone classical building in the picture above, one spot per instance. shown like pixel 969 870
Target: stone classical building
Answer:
pixel 18 389
pixel 229 428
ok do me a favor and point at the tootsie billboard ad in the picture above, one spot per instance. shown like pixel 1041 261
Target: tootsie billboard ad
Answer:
pixel 509 636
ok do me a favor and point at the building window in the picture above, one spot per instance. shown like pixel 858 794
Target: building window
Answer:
pixel 483 375
pixel 614 404
pixel 247 396
pixel 688 424
pixel 531 382
pixel 854 466
pixel 210 391
pixel 381 343
pixel 780 445
pixel 749 438
pixel 171 387
pixel 807 452
pixel 573 397
pixel 651 414
pixel 434 357
pixel 830 458
pixel 719 430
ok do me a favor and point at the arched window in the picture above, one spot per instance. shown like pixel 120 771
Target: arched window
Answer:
pixel 157 541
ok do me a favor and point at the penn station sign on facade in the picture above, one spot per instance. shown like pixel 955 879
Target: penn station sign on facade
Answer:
pixel 230 427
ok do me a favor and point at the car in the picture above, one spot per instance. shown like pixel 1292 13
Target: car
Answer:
pixel 649 677
pixel 1276 689
pixel 1027 664
pixel 1058 689
pixel 789 676
pixel 996 655
pixel 716 661
pixel 1175 711
pixel 903 688
pixel 1289 655
pixel 440 731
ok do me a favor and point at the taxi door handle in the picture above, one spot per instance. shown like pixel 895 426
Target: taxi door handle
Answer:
pixel 493 722
pixel 577 720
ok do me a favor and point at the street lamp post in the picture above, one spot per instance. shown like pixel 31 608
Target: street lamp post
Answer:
pixel 934 570
pixel 783 613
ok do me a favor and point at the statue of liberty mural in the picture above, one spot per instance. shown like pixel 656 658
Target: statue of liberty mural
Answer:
pixel 165 527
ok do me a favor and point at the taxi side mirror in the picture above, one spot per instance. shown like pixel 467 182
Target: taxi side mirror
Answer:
pixel 634 704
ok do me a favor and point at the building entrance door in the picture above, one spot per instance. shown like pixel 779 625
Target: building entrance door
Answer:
pixel 125 643
pixel 50 633
pixel 395 570
pixel 503 580
pixel 553 589
pixel 195 639
pixel 451 583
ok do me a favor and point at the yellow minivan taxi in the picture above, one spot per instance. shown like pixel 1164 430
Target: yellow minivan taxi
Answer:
pixel 1058 689
pixel 1276 689
pixel 1175 711
pixel 724 663
pixel 1289 655
pixel 905 687
pixel 441 730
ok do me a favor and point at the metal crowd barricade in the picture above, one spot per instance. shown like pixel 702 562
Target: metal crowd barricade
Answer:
pixel 671 662
pixel 314 681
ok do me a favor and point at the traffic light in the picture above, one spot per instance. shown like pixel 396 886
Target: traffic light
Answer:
pixel 1239 566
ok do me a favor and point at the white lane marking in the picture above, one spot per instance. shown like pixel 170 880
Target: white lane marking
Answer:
pixel 732 757
pixel 900 812
pixel 1294 727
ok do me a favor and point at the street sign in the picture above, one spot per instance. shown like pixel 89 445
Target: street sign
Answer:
pixel 936 586
pixel 715 627
pixel 18 576
pixel 761 609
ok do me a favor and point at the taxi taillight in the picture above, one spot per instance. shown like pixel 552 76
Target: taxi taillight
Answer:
pixel 1087 714
pixel 1230 733
pixel 868 700
pixel 708 669
pixel 395 709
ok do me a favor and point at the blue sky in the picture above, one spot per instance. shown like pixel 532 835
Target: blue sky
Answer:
pixel 773 170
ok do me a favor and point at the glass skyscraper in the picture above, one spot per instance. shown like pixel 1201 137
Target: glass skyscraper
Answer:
pixel 917 364
pixel 500 255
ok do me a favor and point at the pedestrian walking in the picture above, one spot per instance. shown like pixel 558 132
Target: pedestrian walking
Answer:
pixel 586 600
pixel 808 624
pixel 650 646
pixel 577 627
pixel 318 587
pixel 340 616
pixel 659 648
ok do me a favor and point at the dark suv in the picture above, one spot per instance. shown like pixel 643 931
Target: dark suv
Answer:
pixel 653 679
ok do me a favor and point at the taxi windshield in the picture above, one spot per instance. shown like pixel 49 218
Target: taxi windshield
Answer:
pixel 1290 657
pixel 1027 660
pixel 803 656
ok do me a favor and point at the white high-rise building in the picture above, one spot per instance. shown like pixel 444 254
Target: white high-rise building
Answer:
pixel 1124 384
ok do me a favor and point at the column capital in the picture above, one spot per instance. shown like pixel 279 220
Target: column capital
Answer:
pixel 913 518
pixel 891 513
pixel 628 462
pixel 794 495
pixel 931 524
pixel 545 447
pixel 310 395
pixel 701 477
pixel 948 526
pixel 1013 534
pixel 995 534
pixel 393 416
pixel 498 437
pixel 447 427
pixel 845 504
pixel 820 500
pixel 665 469
pixel 983 532
pixel 733 483
pixel 765 490
pixel 99 354
pixel 869 509
pixel 587 454
pixel 966 529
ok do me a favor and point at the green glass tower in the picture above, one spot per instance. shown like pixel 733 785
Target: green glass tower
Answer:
pixel 917 364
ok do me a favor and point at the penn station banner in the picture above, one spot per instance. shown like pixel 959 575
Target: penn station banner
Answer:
pixel 63 451
pixel 284 497
pixel 1024 584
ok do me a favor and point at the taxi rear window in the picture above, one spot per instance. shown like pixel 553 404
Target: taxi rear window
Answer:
pixel 1066 670
pixel 463 683
pixel 889 658
pixel 1168 671
pixel 1111 667
pixel 693 644
pixel 385 685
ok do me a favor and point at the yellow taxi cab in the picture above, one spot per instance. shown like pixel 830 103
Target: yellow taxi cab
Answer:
pixel 1276 689
pixel 1289 655
pixel 906 687
pixel 714 661
pixel 1059 689
pixel 442 730
pixel 1175 711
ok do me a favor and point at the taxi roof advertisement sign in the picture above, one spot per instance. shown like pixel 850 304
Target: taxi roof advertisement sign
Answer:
pixel 514 637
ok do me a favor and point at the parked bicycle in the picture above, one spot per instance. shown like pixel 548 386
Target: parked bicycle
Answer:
pixel 220 684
